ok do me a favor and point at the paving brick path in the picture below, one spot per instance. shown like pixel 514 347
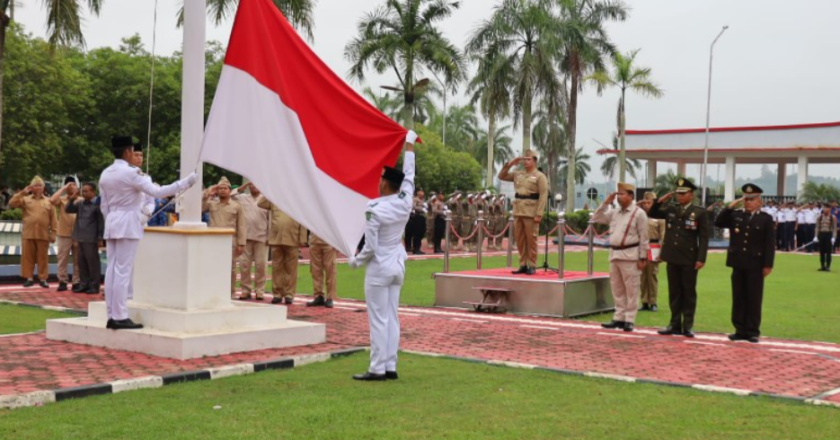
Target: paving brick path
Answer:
pixel 796 369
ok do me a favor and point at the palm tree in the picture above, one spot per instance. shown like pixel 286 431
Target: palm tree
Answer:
pixel 501 143
pixel 298 12
pixel 64 28
pixel 585 45
pixel 490 89
pixel 625 76
pixel 665 182
pixel 462 128
pixel 402 36
pixel 385 102
pixel 550 141
pixel 581 170
pixel 521 37
pixel 814 192
pixel 608 167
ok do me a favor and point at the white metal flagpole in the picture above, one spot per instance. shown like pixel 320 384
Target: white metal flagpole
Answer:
pixel 192 108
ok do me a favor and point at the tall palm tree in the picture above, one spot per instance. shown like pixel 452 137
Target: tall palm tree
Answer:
pixel 609 166
pixel 585 45
pixel 64 28
pixel 550 141
pixel 626 75
pixel 490 89
pixel 523 35
pixel 385 102
pixel 402 36
pixel 581 170
pixel 298 12
pixel 501 142
pixel 462 128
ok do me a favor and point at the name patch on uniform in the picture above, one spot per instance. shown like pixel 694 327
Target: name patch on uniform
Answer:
pixel 402 195
pixel 368 215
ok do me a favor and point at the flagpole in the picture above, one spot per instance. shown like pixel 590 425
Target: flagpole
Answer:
pixel 192 109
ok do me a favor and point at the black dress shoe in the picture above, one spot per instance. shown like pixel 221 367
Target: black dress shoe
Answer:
pixel 613 324
pixel 110 323
pixel 44 284
pixel 522 269
pixel 391 375
pixel 80 288
pixel 62 286
pixel 328 303
pixel 628 326
pixel 277 300
pixel 92 290
pixel 645 306
pixel 530 271
pixel 419 253
pixel 288 300
pixel 735 337
pixel 125 324
pixel 669 331
pixel 318 301
pixel 752 339
pixel 438 251
pixel 368 376
pixel 77 285
pixel 688 333
pixel 28 283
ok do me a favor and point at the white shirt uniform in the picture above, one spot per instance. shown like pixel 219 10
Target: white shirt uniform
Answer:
pixel 385 257
pixel 780 216
pixel 810 216
pixel 123 193
pixel 790 215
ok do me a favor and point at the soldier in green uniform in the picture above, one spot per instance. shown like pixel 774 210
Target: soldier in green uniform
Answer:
pixel 684 249
pixel 752 248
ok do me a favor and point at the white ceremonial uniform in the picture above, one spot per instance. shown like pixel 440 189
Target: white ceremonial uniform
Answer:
pixel 123 190
pixel 384 254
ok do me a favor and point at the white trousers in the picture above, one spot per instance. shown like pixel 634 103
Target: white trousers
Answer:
pixel 119 282
pixel 382 295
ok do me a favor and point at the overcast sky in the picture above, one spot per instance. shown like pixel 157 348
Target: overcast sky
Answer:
pixel 777 64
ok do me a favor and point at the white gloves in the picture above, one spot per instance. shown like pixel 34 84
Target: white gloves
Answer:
pixel 353 262
pixel 411 137
pixel 815 240
pixel 192 179
pixel 832 241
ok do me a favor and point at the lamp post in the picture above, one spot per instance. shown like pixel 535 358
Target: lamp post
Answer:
pixel 708 113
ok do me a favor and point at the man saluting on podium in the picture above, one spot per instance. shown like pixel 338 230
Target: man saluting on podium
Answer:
pixel 123 189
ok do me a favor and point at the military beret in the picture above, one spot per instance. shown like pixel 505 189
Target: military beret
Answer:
pixel 393 175
pixel 121 142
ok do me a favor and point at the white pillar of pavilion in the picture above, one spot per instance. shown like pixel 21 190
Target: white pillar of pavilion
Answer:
pixel 182 274
pixel 801 174
pixel 651 174
pixel 729 179
pixel 781 176
pixel 681 168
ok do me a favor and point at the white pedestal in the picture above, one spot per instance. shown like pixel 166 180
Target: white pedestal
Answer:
pixel 182 297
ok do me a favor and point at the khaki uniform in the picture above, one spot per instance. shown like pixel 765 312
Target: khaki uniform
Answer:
pixel 531 198
pixel 229 215
pixel 256 247
pixel 322 258
pixel 430 223
pixel 455 210
pixel 286 238
pixel 468 214
pixel 628 245
pixel 39 229
pixel 65 242
pixel 650 276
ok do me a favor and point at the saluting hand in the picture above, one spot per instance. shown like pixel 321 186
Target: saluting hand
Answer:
pixel 735 203
pixel 699 265
pixel 611 198
pixel 767 271
pixel 665 198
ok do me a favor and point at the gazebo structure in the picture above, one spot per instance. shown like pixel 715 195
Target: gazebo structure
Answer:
pixel 802 144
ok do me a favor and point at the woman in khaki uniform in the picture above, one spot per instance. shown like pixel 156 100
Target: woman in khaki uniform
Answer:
pixel 39 230
pixel 285 239
pixel 650 274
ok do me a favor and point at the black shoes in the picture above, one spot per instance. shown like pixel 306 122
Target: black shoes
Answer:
pixel 530 271
pixel 288 300
pixel 438 251
pixel 125 324
pixel 79 288
pixel 62 286
pixel 368 376
pixel 419 252
pixel 739 337
pixel 44 284
pixel 76 286
pixel 688 333
pixel 277 300
pixel 669 331
pixel 614 324
pixel 28 283
pixel 645 306
pixel 318 301
pixel 391 375
pixel 628 326
pixel 328 303
pixel 245 297
pixel 522 269
pixel 94 290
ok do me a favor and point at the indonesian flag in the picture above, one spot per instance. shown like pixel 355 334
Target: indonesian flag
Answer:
pixel 284 120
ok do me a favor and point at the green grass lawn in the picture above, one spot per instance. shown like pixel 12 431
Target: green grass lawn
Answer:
pixel 435 398
pixel 799 302
pixel 22 319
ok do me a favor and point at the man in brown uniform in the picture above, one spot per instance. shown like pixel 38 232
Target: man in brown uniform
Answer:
pixel 66 246
pixel 531 188
pixel 628 252
pixel 650 275
pixel 256 246
pixel 454 205
pixel 286 238
pixel 226 213
pixel 467 221
pixel 39 230
pixel 322 258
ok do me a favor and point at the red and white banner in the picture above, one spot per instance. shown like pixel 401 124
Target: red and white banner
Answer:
pixel 284 120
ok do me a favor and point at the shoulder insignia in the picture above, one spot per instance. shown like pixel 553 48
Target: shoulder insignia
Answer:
pixel 140 172
pixel 402 194
pixel 368 215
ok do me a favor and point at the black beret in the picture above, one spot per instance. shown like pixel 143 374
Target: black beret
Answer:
pixel 118 142
pixel 393 175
